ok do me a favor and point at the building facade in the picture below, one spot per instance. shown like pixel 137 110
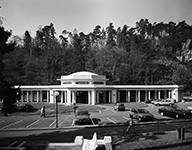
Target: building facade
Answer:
pixel 90 88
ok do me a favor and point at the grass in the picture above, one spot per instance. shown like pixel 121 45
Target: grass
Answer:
pixel 165 141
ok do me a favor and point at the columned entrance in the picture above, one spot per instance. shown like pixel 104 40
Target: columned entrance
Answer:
pixel 104 96
pixel 82 97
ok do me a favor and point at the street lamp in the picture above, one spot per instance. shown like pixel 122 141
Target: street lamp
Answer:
pixel 56 121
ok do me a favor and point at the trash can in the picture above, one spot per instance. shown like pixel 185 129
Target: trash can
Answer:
pixel 178 133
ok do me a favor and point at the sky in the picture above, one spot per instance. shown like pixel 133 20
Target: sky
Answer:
pixel 84 15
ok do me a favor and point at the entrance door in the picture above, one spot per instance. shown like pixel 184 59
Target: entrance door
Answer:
pixel 132 96
pixel 82 97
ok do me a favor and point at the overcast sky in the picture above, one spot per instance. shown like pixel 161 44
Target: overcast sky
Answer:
pixel 84 15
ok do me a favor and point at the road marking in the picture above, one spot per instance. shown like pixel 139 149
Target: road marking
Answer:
pixel 111 120
pixel 12 124
pixel 20 145
pixel 12 144
pixel 52 123
pixel 126 118
pixel 113 110
pixel 33 123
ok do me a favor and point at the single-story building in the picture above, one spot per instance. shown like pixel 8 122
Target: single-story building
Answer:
pixel 90 88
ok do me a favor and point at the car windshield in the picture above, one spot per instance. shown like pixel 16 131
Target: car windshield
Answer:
pixel 176 107
pixel 142 111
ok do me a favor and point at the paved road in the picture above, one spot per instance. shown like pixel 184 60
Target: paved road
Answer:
pixel 43 137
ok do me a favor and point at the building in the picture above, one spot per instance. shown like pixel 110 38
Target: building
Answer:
pixel 90 88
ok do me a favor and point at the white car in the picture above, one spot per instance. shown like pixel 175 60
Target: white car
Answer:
pixel 164 102
pixel 189 108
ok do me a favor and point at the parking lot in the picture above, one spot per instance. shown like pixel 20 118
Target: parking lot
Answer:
pixel 105 113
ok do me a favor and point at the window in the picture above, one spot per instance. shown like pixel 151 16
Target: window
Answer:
pixel 82 82
pixel 98 83
pixel 67 82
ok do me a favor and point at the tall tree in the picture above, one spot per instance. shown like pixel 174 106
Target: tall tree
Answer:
pixel 8 94
pixel 28 43
pixel 111 35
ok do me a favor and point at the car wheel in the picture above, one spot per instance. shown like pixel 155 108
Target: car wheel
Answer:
pixel 177 116
pixel 162 114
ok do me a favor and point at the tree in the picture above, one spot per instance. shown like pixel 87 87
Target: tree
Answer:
pixel 111 35
pixel 28 43
pixel 8 94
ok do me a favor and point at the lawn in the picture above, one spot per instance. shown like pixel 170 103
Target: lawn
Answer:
pixel 164 141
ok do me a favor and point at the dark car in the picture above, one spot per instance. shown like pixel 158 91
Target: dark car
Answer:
pixel 174 111
pixel 121 107
pixel 24 107
pixel 141 114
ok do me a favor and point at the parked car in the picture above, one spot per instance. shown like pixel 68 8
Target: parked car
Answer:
pixel 164 102
pixel 174 111
pixel 189 108
pixel 141 114
pixel 24 107
pixel 155 101
pixel 119 107
pixel 150 100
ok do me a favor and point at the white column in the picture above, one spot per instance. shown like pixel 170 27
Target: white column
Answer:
pixel 65 95
pixel 139 96
pixel 37 96
pixel 128 96
pixel 93 94
pixel 51 96
pixel 31 96
pixel 159 94
pixel 149 94
pixel 27 96
pixel 89 98
pixel 68 102
pixel 48 96
pixel 110 97
pixel 73 97
pixel 61 92
pixel 170 94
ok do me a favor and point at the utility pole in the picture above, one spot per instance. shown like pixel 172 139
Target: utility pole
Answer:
pixel 55 96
